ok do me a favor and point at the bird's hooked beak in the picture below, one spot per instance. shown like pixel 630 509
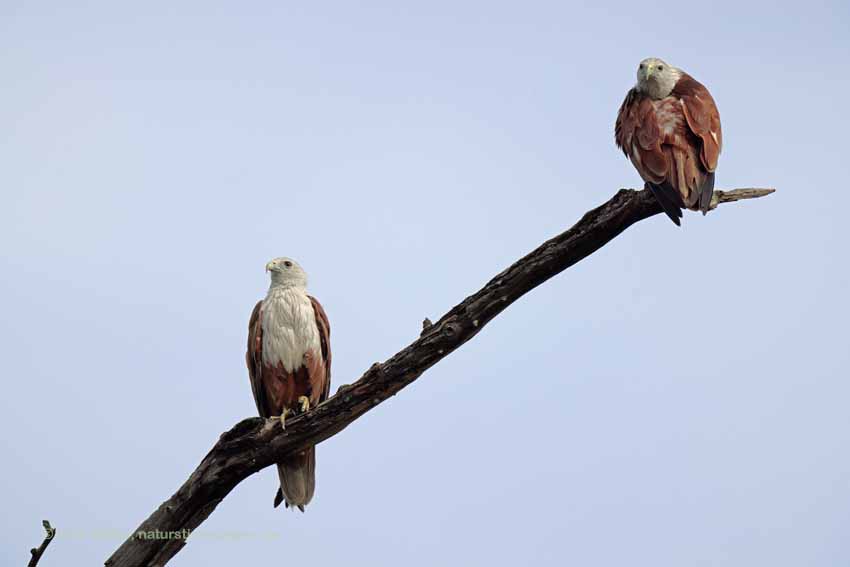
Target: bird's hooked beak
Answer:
pixel 269 266
pixel 648 72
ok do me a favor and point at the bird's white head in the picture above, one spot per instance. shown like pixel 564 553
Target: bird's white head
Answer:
pixel 287 273
pixel 656 78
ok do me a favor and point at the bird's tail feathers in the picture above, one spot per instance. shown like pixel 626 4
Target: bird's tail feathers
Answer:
pixel 297 479
pixel 669 199
pixel 706 192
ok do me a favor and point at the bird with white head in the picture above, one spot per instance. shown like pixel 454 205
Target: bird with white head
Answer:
pixel 669 127
pixel 286 272
pixel 289 362
pixel 657 78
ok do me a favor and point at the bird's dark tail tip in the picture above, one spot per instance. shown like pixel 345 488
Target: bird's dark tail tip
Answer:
pixel 706 192
pixel 278 499
pixel 669 200
pixel 297 479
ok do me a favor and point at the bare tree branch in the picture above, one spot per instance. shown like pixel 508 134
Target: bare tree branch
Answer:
pixel 255 443
pixel 39 551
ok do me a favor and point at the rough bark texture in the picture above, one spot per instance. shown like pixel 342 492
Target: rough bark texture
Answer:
pixel 255 443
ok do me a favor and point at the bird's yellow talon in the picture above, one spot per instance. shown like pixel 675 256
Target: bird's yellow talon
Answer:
pixel 305 403
pixel 283 417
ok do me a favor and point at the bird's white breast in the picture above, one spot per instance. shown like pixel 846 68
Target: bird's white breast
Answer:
pixel 289 327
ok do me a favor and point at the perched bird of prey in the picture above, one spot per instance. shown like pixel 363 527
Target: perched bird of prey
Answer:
pixel 669 128
pixel 289 363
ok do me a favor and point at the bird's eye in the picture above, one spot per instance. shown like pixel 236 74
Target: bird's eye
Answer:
pixel 288 264
pixel 661 67
pixel 641 66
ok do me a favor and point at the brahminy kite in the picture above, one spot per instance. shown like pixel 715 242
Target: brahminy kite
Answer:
pixel 289 363
pixel 669 128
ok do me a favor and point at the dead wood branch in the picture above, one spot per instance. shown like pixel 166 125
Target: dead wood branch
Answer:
pixel 255 443
pixel 37 552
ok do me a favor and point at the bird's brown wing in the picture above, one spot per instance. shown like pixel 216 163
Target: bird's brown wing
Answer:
pixel 254 360
pixel 704 135
pixel 320 380
pixel 702 118
pixel 637 134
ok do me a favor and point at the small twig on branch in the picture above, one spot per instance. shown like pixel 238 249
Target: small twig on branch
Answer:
pixel 255 443
pixel 39 551
pixel 426 324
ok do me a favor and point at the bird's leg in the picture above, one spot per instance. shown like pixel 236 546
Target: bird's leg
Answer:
pixel 305 403
pixel 283 417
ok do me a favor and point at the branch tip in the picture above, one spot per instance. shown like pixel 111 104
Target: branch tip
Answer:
pixel 739 195
pixel 39 551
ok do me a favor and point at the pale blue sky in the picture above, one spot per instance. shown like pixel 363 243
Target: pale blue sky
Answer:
pixel 680 398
